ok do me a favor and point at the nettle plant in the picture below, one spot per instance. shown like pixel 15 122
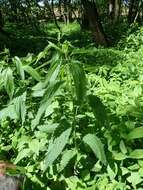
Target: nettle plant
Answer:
pixel 46 122
pixel 55 126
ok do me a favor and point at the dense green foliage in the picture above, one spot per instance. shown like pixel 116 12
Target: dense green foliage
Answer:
pixel 71 118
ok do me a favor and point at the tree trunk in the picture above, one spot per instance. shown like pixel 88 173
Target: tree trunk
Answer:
pixel 94 22
pixel 67 11
pixel 117 10
pixel 51 9
pixel 84 21
pixel 111 10
pixel 114 10
pixel 130 14
pixel 60 9
pixel 133 10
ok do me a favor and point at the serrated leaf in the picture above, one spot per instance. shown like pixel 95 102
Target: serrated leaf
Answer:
pixel 32 72
pixel 49 128
pixel 8 112
pixel 79 79
pixel 52 45
pixel 136 154
pixel 22 142
pixel 34 145
pixel 96 145
pixel 19 67
pixel 134 167
pixel 22 154
pixel 49 111
pixel 119 156
pixel 135 133
pixel 134 178
pixel 67 156
pixel 56 148
pixel 124 171
pixel 39 89
pixel 38 93
pixel 50 93
pixel 9 82
pixel 123 147
pixel 20 107
pixel 16 109
pixel 112 174
pixel 53 72
pixel 39 86
pixel 74 183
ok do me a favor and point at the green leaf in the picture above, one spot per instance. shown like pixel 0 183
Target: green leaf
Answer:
pixel 134 167
pixel 112 173
pixel 123 147
pixel 79 79
pixel 48 128
pixel 97 147
pixel 19 67
pixel 52 45
pixel 49 111
pixel 124 171
pixel 66 157
pixel 29 59
pixel 50 93
pixel 85 175
pixel 16 109
pixel 136 154
pixel 32 72
pixel 1 81
pixel 135 133
pixel 8 112
pixel 141 172
pixel 98 108
pixel 39 89
pixel 74 183
pixel 134 178
pixel 34 146
pixel 119 156
pixel 53 72
pixel 42 54
pixel 36 180
pixel 56 148
pixel 22 142
pixel 20 107
pixel 22 154
pixel 9 82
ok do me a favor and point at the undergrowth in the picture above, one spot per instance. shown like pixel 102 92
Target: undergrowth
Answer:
pixel 71 118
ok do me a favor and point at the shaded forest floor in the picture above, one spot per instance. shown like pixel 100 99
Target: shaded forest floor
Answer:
pixel 27 39
pixel 24 40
